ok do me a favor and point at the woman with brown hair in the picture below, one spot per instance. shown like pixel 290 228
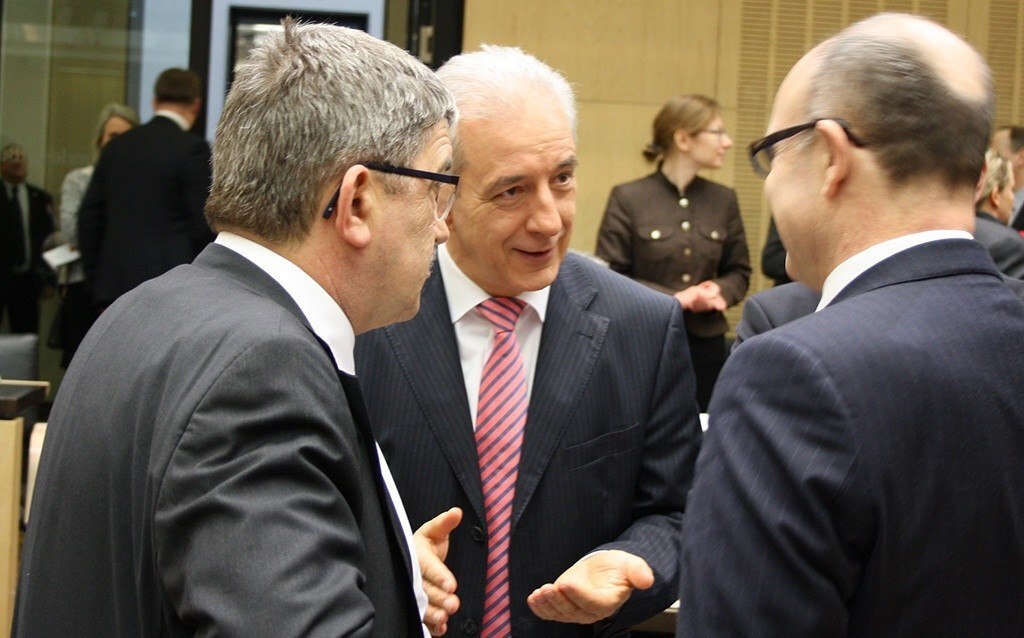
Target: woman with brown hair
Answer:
pixel 682 234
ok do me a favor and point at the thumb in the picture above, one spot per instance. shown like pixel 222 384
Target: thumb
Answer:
pixel 439 527
pixel 638 573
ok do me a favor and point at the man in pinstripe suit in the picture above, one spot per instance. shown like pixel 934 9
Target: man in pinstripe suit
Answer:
pixel 862 470
pixel 611 430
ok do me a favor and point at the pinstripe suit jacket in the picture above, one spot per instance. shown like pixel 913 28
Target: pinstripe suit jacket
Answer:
pixel 862 470
pixel 608 452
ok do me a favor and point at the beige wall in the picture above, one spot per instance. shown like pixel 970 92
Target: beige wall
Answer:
pixel 626 57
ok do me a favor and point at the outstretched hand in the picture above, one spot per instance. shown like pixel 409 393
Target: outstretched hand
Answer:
pixel 593 589
pixel 431 541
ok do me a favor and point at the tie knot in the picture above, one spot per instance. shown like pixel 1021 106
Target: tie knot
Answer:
pixel 502 312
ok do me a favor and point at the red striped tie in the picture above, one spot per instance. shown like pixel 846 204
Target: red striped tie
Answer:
pixel 500 419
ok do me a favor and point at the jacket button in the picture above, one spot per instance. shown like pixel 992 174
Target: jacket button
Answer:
pixel 686 278
pixel 685 225
pixel 478 534
pixel 470 627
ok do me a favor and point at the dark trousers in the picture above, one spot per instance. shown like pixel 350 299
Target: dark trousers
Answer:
pixel 19 295
pixel 708 356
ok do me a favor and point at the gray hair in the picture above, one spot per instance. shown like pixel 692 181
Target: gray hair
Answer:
pixel 921 121
pixel 488 82
pixel 307 105
pixel 113 109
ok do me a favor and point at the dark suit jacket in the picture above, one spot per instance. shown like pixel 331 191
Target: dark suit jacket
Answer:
pixel 774 307
pixel 1004 244
pixel 646 235
pixel 610 441
pixel 40 226
pixel 862 469
pixel 207 473
pixel 143 211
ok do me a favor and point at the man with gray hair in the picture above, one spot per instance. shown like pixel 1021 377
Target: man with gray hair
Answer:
pixel 861 474
pixel 209 465
pixel 547 397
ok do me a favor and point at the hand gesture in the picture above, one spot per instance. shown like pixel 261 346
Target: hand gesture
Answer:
pixel 431 541
pixel 593 589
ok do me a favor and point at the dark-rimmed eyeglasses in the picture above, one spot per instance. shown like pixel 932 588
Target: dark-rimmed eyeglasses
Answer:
pixel 762 151
pixel 443 189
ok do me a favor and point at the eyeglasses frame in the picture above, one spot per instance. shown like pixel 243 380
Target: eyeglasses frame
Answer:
pixel 772 139
pixel 384 167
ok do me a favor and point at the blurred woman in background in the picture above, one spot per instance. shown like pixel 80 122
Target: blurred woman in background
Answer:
pixel 682 234
pixel 78 309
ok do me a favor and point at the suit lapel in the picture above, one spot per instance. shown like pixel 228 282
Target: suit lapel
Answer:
pixel 570 343
pixel 357 406
pixel 428 354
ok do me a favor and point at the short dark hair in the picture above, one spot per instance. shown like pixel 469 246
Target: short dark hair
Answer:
pixel 179 86
pixel 916 123
pixel 1016 137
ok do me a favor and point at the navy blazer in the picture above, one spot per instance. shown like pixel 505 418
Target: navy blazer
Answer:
pixel 611 438
pixel 862 469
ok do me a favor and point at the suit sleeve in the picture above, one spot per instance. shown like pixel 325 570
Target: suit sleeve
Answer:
pixel 92 221
pixel 254 531
pixel 773 527
pixel 615 241
pixel 196 180
pixel 671 444
pixel 733 272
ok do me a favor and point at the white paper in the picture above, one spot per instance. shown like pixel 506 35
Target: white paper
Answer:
pixel 61 255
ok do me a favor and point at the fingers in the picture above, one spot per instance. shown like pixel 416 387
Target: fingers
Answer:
pixel 550 603
pixel 639 573
pixel 438 528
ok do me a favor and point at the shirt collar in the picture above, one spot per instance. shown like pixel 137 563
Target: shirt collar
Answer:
pixel 855 266
pixel 324 315
pixel 464 294
pixel 174 117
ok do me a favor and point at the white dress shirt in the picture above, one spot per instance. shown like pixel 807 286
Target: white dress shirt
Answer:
pixel 329 322
pixel 855 266
pixel 475 335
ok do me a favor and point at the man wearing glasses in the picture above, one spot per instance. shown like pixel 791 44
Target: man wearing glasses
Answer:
pixel 862 470
pixel 549 398
pixel 209 467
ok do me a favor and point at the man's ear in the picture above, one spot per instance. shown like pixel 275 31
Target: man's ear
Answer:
pixel 840 157
pixel 355 205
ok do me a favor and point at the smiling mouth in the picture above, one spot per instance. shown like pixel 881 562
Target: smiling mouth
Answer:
pixel 536 254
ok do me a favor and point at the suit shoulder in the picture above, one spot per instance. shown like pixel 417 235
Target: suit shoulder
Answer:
pixel 611 288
